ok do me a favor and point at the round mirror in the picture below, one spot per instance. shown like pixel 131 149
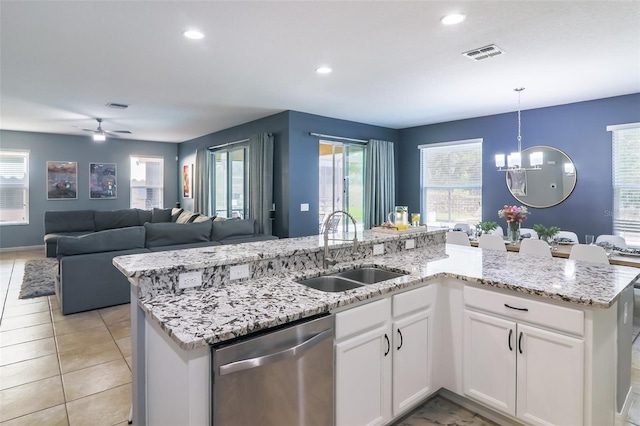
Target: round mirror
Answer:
pixel 545 185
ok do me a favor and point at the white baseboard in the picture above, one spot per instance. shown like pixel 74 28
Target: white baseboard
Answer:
pixel 24 248
pixel 621 417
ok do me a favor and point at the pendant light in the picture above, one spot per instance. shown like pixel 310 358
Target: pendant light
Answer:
pixel 514 160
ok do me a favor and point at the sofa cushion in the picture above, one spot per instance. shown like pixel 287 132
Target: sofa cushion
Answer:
pixel 166 234
pixel 115 219
pixel 231 228
pixel 69 221
pixel 102 241
pixel 175 213
pixel 185 246
pixel 186 217
pixel 144 216
pixel 160 215
pixel 238 239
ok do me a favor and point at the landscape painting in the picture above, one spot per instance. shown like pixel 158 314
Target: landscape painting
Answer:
pixel 62 180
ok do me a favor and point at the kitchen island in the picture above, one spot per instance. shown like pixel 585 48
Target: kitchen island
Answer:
pixel 185 322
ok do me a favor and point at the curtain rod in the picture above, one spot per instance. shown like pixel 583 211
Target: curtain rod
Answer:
pixel 320 135
pixel 233 143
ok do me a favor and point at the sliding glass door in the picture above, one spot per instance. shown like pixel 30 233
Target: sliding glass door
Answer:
pixel 341 183
pixel 230 182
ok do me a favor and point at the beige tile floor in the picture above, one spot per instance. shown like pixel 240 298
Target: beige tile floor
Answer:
pixel 60 370
pixel 76 369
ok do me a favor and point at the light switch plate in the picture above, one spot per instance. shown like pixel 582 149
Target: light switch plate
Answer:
pixel 410 244
pixel 238 272
pixel 304 207
pixel 378 249
pixel 190 279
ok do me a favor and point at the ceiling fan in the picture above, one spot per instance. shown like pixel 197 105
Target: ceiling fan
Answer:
pixel 100 134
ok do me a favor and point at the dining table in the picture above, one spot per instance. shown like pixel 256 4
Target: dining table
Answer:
pixel 563 250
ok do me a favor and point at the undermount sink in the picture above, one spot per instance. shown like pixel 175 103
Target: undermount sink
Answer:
pixel 330 283
pixel 369 275
pixel 350 279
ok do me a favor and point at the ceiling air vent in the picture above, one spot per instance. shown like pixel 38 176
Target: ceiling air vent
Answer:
pixel 117 106
pixel 484 52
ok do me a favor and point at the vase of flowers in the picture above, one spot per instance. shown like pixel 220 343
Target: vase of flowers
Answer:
pixel 514 216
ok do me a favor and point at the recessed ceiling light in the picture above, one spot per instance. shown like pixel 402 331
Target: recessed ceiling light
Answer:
pixel 453 18
pixel 193 34
pixel 323 70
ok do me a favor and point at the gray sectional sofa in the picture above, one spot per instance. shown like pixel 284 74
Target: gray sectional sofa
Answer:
pixel 86 241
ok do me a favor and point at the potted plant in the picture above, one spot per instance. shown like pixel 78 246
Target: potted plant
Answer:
pixel 486 227
pixel 545 233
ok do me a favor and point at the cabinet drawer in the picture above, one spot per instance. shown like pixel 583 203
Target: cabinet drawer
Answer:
pixel 413 300
pixel 548 315
pixel 362 318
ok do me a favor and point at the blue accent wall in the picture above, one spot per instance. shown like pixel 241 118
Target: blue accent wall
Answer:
pixel 578 129
pixel 45 147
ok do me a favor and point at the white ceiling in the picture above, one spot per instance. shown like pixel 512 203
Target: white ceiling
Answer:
pixel 394 64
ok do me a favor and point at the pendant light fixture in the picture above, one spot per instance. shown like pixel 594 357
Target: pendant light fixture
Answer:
pixel 514 160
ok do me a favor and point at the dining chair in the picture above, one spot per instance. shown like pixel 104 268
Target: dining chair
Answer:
pixel 535 247
pixel 491 242
pixel 616 240
pixel 533 234
pixel 464 227
pixel 459 238
pixel 588 253
pixel 497 231
pixel 568 234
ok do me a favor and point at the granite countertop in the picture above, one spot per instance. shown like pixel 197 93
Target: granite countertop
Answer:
pixel 197 318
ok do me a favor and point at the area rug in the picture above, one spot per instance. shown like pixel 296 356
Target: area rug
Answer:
pixel 38 279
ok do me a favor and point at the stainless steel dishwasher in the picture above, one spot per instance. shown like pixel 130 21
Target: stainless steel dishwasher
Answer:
pixel 279 378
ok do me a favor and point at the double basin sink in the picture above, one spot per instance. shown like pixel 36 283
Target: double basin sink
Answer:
pixel 350 279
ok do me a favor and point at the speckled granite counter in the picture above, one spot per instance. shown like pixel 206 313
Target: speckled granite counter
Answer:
pixel 227 310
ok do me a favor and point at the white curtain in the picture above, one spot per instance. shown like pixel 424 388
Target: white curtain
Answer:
pixel 202 182
pixel 380 183
pixel 261 180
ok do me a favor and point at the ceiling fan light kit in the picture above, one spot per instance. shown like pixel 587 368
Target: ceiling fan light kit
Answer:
pixel 100 135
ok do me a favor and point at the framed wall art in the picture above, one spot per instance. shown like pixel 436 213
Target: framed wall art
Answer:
pixel 187 181
pixel 102 181
pixel 62 180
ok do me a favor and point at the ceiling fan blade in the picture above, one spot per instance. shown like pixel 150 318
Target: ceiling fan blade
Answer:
pixel 118 131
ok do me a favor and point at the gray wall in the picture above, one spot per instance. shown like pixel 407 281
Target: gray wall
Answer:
pixel 45 147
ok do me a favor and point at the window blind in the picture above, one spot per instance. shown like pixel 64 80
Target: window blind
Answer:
pixel 451 182
pixel 14 187
pixel 626 183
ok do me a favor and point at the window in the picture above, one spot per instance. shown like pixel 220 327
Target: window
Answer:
pixel 14 187
pixel 451 182
pixel 626 182
pixel 147 182
pixel 230 182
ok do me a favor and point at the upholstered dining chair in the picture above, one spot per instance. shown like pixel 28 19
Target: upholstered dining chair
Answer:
pixel 532 234
pixel 497 231
pixel 459 238
pixel 568 234
pixel 491 242
pixel 588 253
pixel 616 240
pixel 535 247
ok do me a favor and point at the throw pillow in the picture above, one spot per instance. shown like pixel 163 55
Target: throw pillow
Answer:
pixel 160 215
pixel 186 217
pixel 175 212
pixel 167 234
pixel 202 218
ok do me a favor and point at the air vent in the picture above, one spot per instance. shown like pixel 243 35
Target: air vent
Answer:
pixel 484 52
pixel 117 106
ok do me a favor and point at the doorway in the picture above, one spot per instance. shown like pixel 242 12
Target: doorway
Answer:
pixel 341 184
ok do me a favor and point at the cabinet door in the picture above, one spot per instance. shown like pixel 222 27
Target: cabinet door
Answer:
pixel 489 361
pixel 412 339
pixel 550 377
pixel 363 374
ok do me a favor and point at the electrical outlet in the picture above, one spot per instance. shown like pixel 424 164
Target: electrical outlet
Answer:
pixel 409 244
pixel 378 249
pixel 190 279
pixel 238 272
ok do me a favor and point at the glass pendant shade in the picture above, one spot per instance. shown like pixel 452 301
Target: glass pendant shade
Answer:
pixel 535 159
pixel 499 160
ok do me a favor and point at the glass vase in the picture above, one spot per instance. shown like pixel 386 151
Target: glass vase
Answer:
pixel 513 233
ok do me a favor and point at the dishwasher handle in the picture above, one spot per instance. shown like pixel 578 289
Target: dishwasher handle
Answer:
pixel 246 364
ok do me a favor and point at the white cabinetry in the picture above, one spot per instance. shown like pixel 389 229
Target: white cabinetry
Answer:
pixel 383 361
pixel 520 360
